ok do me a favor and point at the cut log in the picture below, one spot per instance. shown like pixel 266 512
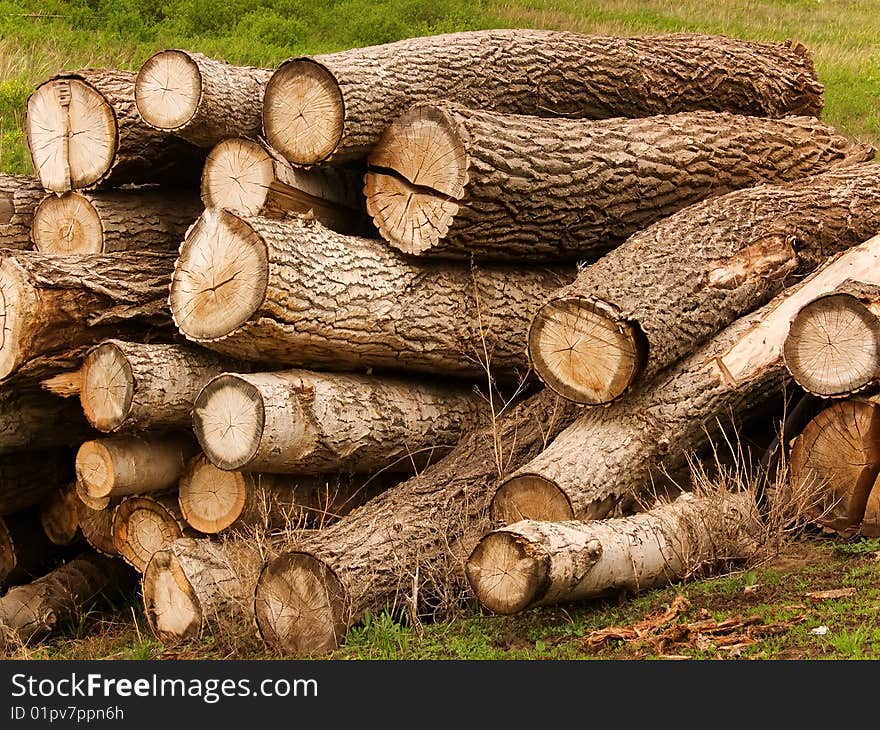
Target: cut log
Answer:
pixel 294 292
pixel 27 477
pixel 199 98
pixel 93 503
pixel 97 528
pixel 249 177
pixel 60 597
pixel 543 563
pixel 144 525
pixel 59 515
pixel 116 466
pixel 670 287
pixel 60 305
pixel 135 220
pixel 33 419
pixel 306 600
pixel 609 455
pixel 19 197
pixel 25 551
pixel 300 422
pixel 331 106
pixel 870 526
pixel 129 386
pixel 84 131
pixel 833 345
pixel 453 182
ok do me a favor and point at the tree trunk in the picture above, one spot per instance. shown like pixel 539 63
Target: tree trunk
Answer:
pixel 415 534
pixel 199 98
pixel 669 288
pixel 26 477
pixel 33 419
pixel 19 197
pixel 453 182
pixel 61 305
pixel 249 177
pixel 543 563
pixel 144 525
pixel 611 454
pixel 84 131
pixel 59 515
pixel 129 386
pixel 300 422
pixel 116 466
pixel 332 107
pixel 97 528
pixel 116 220
pixel 296 293
pixel 25 551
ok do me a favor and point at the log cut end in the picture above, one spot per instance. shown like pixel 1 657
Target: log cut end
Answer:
pixel 417 173
pixel 583 350
pixel 168 90
pixel 142 527
pixel 529 497
pixel 18 302
pixel 170 603
pixel 833 346
pixel 97 529
pixel 506 573
pixel 95 470
pixel 88 501
pixel 220 277
pixel 72 133
pixel 237 176
pixel 59 516
pixel 67 224
pixel 303 112
pixel 299 605
pixel 211 499
pixel 107 387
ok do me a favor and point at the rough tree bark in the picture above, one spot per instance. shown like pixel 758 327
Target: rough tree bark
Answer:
pixel 453 182
pixel 33 419
pixel 331 107
pixel 144 525
pixel 19 197
pixel 59 515
pixel 25 551
pixel 26 477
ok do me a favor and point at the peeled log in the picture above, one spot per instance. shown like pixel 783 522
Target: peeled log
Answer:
pixel 25 551
pixel 59 515
pixel 26 477
pixel 97 528
pixel 144 525
pixel 84 131
pixel 543 563
pixel 330 106
pixel 116 220
pixel 669 288
pixel 612 454
pixel 199 98
pixel 33 419
pixel 19 197
pixel 59 305
pixel 293 292
pixel 453 182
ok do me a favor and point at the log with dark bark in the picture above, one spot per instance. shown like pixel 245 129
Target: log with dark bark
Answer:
pixel 97 527
pixel 34 419
pixel 84 131
pixel 59 515
pixel 670 287
pixel 19 197
pixel 294 292
pixel 199 98
pixel 27 477
pixel 135 220
pixel 25 550
pixel 454 182
pixel 331 106
pixel 144 525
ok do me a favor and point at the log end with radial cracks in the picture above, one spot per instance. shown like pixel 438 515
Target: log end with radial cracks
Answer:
pixel 168 90
pixel 106 387
pixel 529 497
pixel 237 176
pixel 141 528
pixel 220 277
pixel 18 305
pixel 833 346
pixel 95 470
pixel 94 504
pixel 170 603
pixel 584 350
pixel 300 605
pixel 507 573
pixel 416 175
pixel 210 498
pixel 72 133
pixel 303 112
pixel 67 224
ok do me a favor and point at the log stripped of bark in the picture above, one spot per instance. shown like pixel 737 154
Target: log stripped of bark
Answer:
pixel 199 98
pixel 675 284
pixel 33 419
pixel 306 600
pixel 59 515
pixel 543 563
pixel 25 551
pixel 60 305
pixel 249 177
pixel 453 182
pixel 293 292
pixel 19 197
pixel 97 528
pixel 27 477
pixel 331 107
pixel 131 386
pixel 84 131
pixel 144 525
pixel 300 422
pixel 613 453
pixel 115 220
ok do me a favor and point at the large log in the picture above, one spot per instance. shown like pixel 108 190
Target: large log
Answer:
pixel 84 131
pixel 34 419
pixel 331 107
pixel 144 525
pixel 611 454
pixel 25 550
pixel 414 533
pixel 199 98
pixel 19 197
pixel 294 292
pixel 454 182
pixel 300 422
pixel 135 220
pixel 59 515
pixel 26 477
pixel 670 287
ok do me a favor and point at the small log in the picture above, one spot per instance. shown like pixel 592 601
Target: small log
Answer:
pixel 330 106
pixel 27 477
pixel 199 98
pixel 97 528
pixel 33 419
pixel 59 515
pixel 25 551
pixel 135 220
pixel 19 197
pixel 86 499
pixel 144 525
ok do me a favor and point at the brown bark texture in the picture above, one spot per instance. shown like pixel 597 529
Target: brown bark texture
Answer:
pixel 19 197
pixel 34 419
pixel 26 477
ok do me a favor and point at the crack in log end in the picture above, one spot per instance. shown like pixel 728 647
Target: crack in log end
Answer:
pixel 170 603
pixel 7 207
pixel 529 497
pixel 773 257
pixel 168 90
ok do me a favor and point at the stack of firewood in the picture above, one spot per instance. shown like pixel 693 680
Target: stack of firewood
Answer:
pixel 314 392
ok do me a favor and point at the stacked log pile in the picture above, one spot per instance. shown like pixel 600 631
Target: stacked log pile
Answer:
pixel 440 315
